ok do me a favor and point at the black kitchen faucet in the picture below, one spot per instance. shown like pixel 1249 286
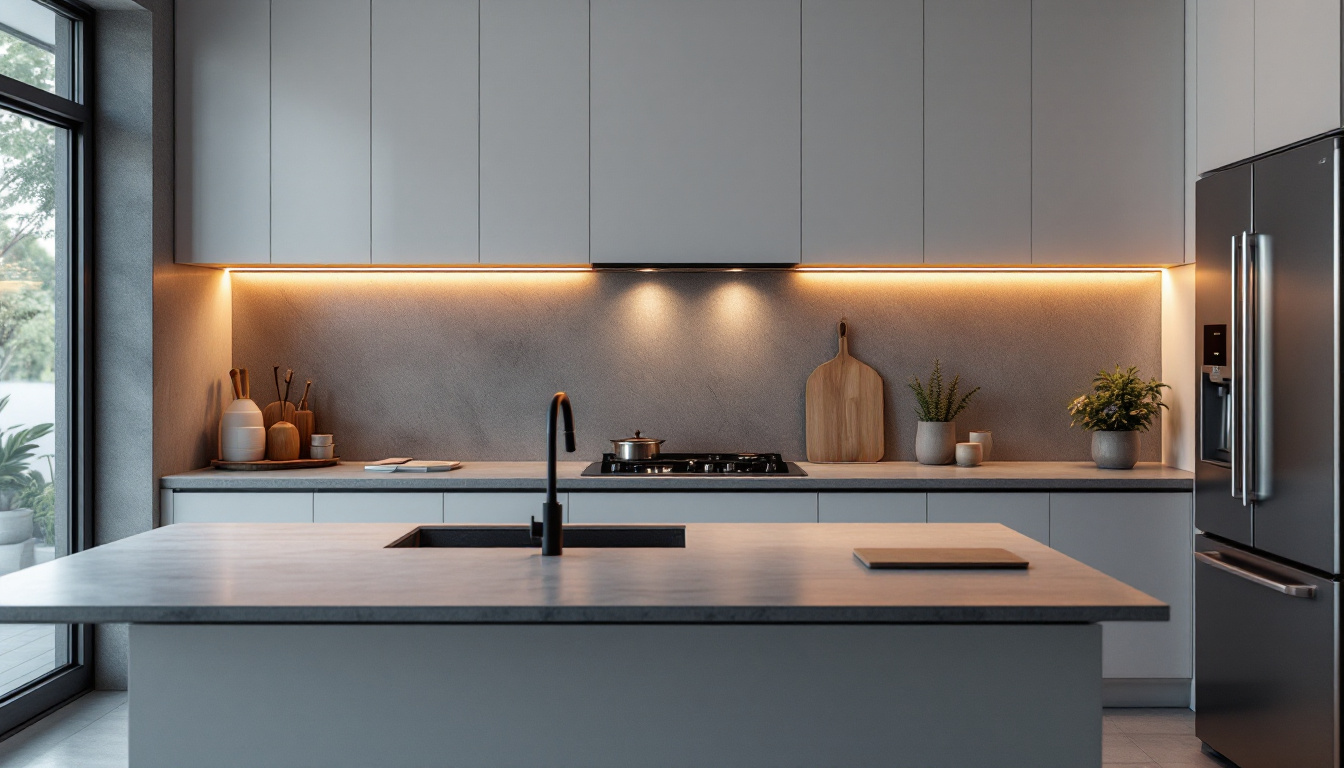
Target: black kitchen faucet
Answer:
pixel 551 529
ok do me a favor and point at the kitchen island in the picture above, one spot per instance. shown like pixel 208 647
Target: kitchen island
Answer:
pixel 760 645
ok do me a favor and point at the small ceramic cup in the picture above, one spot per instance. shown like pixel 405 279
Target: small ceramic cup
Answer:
pixel 985 438
pixel 319 440
pixel 322 452
pixel 969 454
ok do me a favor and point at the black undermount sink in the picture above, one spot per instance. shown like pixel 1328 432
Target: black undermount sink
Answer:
pixel 585 536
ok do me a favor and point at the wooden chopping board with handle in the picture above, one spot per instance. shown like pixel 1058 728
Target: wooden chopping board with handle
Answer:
pixel 844 410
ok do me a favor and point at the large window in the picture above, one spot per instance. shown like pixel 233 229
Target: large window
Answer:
pixel 44 149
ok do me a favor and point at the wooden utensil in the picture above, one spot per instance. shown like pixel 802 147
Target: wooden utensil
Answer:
pixel 940 557
pixel 235 378
pixel 246 383
pixel 844 410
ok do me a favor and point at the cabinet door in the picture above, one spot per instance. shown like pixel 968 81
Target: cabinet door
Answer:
pixel 1144 540
pixel 977 84
pixel 534 131
pixel 1108 146
pixel 395 507
pixel 320 131
pixel 495 508
pixel 1224 82
pixel 223 112
pixel 1026 513
pixel 1297 78
pixel 425 150
pixel 872 507
pixel 693 507
pixel 863 132
pixel 217 507
pixel 695 131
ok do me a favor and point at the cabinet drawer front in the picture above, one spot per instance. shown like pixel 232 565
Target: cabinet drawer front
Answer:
pixel 872 508
pixel 495 508
pixel 693 507
pixel 378 508
pixel 1144 540
pixel 1026 513
pixel 243 508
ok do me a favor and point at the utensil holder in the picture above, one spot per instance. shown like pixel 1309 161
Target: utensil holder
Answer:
pixel 303 420
pixel 282 442
pixel 242 433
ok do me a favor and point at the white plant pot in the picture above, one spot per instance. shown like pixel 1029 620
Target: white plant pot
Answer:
pixel 43 555
pixel 936 442
pixel 14 557
pixel 16 526
pixel 1115 450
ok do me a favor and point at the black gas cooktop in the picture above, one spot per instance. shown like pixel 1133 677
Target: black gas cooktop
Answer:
pixel 697 464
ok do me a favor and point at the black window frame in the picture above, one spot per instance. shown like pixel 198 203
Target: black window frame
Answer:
pixel 33 700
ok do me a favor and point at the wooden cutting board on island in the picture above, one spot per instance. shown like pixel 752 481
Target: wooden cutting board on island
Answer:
pixel 844 410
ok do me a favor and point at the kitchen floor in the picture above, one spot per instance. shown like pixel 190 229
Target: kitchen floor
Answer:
pixel 91 733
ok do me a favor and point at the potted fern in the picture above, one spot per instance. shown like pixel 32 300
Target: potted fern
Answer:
pixel 937 406
pixel 17 447
pixel 1119 407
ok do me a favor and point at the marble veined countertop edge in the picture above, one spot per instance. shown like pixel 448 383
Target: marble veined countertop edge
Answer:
pixel 531 475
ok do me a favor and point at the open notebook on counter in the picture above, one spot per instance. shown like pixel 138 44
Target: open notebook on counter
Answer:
pixel 409 465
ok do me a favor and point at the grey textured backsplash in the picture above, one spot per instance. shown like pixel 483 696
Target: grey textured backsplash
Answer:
pixel 461 366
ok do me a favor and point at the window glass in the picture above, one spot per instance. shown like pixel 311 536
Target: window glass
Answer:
pixel 35 44
pixel 34 512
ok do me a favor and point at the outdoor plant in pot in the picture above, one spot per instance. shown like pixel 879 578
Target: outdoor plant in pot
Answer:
pixel 937 406
pixel 1119 407
pixel 17 446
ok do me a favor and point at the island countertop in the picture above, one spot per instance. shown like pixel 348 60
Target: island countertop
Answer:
pixel 344 573
pixel 531 475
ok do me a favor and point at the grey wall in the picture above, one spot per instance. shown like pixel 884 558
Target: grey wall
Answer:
pixel 460 366
pixel 161 341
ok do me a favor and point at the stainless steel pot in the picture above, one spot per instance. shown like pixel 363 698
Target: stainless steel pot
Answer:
pixel 636 448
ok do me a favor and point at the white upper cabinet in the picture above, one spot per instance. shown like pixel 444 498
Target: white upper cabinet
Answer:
pixel 320 133
pixel 1224 82
pixel 1108 132
pixel 1267 74
pixel 977 132
pixel 425 143
pixel 695 131
pixel 534 131
pixel 223 95
pixel 1297 78
pixel 863 132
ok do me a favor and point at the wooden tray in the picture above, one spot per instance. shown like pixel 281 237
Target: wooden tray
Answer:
pixel 940 557
pixel 258 466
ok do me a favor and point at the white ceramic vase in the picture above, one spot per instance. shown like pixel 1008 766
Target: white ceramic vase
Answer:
pixel 16 526
pixel 242 434
pixel 1115 449
pixel 986 439
pixel 936 442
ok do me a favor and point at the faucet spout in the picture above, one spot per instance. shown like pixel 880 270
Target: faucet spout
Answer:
pixel 552 514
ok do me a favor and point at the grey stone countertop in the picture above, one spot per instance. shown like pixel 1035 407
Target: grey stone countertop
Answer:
pixel 343 573
pixel 531 475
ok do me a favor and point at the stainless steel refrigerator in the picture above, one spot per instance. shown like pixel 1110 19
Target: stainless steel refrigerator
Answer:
pixel 1267 483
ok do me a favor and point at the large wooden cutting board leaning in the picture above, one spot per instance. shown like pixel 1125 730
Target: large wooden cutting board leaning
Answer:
pixel 844 410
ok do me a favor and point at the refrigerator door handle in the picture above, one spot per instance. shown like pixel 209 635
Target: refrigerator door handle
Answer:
pixel 1237 344
pixel 1259 372
pixel 1216 560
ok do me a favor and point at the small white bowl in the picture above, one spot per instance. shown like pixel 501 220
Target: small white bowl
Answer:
pixel 322 451
pixel 969 454
pixel 322 440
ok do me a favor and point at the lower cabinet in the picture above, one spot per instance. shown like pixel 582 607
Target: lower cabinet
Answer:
pixel 1026 513
pixel 1144 540
pixel 840 507
pixel 210 507
pixel 691 507
pixel 394 507
pixel 495 508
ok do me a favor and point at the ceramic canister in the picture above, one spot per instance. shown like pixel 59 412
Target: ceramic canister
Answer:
pixel 985 438
pixel 969 454
pixel 242 436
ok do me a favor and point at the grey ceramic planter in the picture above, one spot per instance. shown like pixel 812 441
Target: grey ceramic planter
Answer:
pixel 1115 450
pixel 936 442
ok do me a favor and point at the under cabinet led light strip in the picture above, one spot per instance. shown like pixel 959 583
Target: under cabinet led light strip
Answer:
pixel 808 269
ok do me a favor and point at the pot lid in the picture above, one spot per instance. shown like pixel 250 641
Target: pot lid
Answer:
pixel 638 439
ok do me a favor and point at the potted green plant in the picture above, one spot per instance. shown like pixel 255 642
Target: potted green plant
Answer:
pixel 40 496
pixel 937 406
pixel 1119 407
pixel 17 447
